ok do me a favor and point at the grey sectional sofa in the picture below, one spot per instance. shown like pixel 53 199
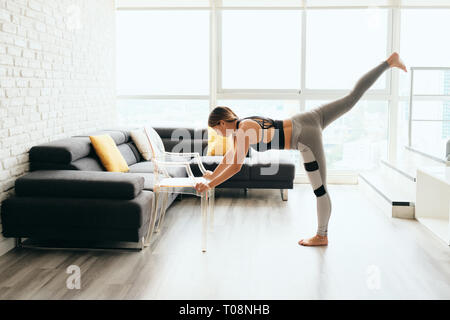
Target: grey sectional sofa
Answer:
pixel 68 195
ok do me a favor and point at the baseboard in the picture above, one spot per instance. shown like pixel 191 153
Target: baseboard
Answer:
pixel 6 245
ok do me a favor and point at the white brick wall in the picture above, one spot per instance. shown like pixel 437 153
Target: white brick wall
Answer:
pixel 57 77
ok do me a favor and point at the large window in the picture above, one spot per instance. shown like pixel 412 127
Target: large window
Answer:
pixel 430 127
pixel 276 58
pixel 261 49
pixel 403 123
pixel 423 41
pixel 163 112
pixel 343 44
pixel 277 109
pixel 162 52
pixel 423 45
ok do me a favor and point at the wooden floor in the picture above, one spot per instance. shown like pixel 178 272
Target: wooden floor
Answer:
pixel 252 254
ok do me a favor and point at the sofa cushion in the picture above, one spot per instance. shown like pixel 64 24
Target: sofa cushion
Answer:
pixel 84 237
pixel 148 179
pixel 258 184
pixel 67 150
pixel 180 132
pixel 196 145
pixel 34 166
pixel 271 166
pixel 141 142
pixel 135 151
pixel 211 162
pixel 142 167
pixel 109 154
pixel 218 145
pixel 71 212
pixel 149 182
pixel 178 139
pixel 61 151
pixel 147 167
pixel 119 136
pixel 89 163
pixel 127 153
pixel 79 184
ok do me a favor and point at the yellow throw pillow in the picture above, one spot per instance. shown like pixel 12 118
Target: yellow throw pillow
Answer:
pixel 109 154
pixel 218 145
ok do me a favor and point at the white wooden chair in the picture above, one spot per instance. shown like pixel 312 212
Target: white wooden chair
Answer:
pixel 164 183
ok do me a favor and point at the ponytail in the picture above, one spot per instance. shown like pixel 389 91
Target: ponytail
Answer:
pixel 221 113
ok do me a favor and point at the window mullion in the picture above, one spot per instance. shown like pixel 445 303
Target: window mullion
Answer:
pixel 394 38
pixel 303 62
pixel 213 61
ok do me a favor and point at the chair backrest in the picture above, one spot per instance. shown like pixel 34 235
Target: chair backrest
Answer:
pixel 158 153
pixel 156 143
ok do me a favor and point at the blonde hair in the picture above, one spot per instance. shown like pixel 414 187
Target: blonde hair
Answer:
pixel 221 113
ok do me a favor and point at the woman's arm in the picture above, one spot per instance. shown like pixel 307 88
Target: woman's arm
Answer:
pixel 227 159
pixel 240 150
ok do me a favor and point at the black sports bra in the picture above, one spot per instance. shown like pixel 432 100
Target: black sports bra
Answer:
pixel 266 123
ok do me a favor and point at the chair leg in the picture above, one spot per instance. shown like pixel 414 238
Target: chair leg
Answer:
pixel 154 214
pixel 18 242
pixel 204 209
pixel 163 211
pixel 211 209
pixel 284 194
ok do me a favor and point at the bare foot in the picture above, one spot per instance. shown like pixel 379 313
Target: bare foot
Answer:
pixel 314 241
pixel 394 61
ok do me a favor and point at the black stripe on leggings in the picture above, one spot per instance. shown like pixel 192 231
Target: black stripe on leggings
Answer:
pixel 320 191
pixel 311 166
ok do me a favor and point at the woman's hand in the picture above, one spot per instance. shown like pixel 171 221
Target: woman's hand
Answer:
pixel 208 175
pixel 202 186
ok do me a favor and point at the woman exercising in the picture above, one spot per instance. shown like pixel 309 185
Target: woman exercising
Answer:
pixel 303 132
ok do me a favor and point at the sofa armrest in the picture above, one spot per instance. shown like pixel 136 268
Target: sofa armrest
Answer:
pixel 79 184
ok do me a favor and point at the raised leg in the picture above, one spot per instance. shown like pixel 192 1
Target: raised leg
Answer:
pixel 333 110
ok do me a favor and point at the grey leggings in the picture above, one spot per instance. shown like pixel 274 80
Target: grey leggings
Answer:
pixel 307 137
